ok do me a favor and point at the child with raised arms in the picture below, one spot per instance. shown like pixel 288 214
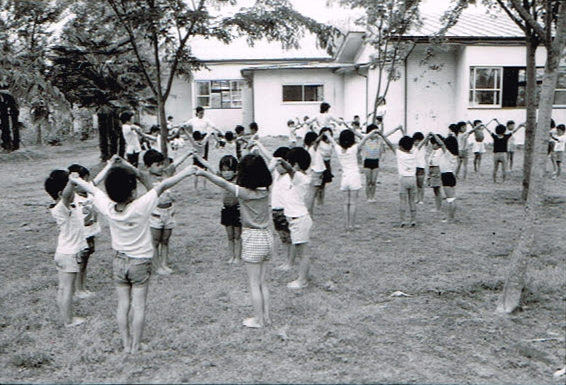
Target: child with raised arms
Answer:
pixel 420 143
pixel 560 143
pixel 500 142
pixel 348 152
pixel 230 213
pixel 162 219
pixel 297 186
pixel 316 170
pixel 71 241
pixel 462 134
pixel 448 160
pixel 199 143
pixel 252 190
pixel 128 218
pixel 325 149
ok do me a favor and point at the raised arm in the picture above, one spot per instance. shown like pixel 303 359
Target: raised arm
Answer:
pixel 203 161
pixel 386 140
pixel 219 181
pixel 262 150
pixel 102 174
pixel 75 180
pixel 139 131
pixel 182 158
pixel 439 141
pixel 398 128
pixel 173 180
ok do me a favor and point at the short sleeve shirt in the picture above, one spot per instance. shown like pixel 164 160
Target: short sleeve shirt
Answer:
pixel 202 125
pixel 500 143
pixel 131 138
pixel 71 237
pixel 317 162
pixel 90 215
pixel 560 143
pixel 254 207
pixel 348 159
pixel 129 228
pixel 406 163
pixel 294 194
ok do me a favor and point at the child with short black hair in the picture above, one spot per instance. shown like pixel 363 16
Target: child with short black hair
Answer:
pixel 252 190
pixel 478 145
pixel 128 218
pixel 462 134
pixel 292 127
pixel 560 143
pixel 132 134
pixel 448 160
pixel 71 242
pixel 500 142
pixel 162 219
pixel 316 170
pixel 297 186
pixel 420 143
pixel 371 153
pixel 199 143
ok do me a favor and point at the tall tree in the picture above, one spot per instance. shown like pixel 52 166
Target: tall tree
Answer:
pixel 160 32
pixel 25 33
pixel 385 23
pixel 544 22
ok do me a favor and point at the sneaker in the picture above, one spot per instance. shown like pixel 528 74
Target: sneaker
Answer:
pixel 75 322
pixel 296 285
pixel 251 323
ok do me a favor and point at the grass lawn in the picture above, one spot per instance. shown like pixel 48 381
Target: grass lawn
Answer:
pixel 344 328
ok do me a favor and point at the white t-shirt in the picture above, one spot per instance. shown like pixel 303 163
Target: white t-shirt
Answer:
pixel 406 163
pixel 560 143
pixel 447 162
pixel 201 125
pixel 325 150
pixel 294 194
pixel 420 154
pixel 89 213
pixel 277 188
pixel 131 138
pixel 129 228
pixel 317 162
pixel 324 120
pixel 71 237
pixel 348 159
pixel 435 155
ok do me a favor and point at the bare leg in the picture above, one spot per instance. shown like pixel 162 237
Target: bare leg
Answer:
pixel 504 169
pixel 139 296
pixel 451 203
pixel 510 155
pixel 412 206
pixel 122 315
pixel 346 196
pixel 437 198
pixel 495 168
pixel 231 244
pixel 465 166
pixel 265 292
pixel 65 296
pixel 238 244
pixel 156 240
pixel 304 268
pixel 353 206
pixel 254 278
pixel 165 236
pixel 403 206
pixel 80 283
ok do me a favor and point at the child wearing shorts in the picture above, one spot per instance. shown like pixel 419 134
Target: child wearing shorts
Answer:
pixel 448 161
pixel 252 190
pixel 71 242
pixel 128 218
pixel 316 170
pixel 434 180
pixel 162 219
pixel 420 153
pixel 296 188
pixel 560 143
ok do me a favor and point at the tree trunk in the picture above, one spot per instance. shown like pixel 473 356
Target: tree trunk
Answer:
pixel 164 132
pixel 515 282
pixel 531 91
pixel 104 125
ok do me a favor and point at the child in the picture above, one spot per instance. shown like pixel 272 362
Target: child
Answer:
pixel 128 218
pixel 230 214
pixel 511 143
pixel 132 135
pixel 448 160
pixel 407 168
pixel 325 149
pixel 199 142
pixel 420 154
pixel 241 142
pixel 230 143
pixel 252 191
pixel 351 184
pixel 316 171
pixel 162 219
pixel 500 141
pixel 560 143
pixel 297 186
pixel 371 152
pixel 434 178
pixel 462 136
pixel 91 226
pixel 292 132
pixel 478 145
pixel 71 242
pixel 551 143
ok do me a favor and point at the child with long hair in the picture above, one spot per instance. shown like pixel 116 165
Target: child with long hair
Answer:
pixel 348 152
pixel 230 214
pixel 252 190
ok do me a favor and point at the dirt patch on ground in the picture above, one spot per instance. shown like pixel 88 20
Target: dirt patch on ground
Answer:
pixel 345 328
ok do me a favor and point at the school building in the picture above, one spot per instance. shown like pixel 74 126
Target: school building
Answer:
pixel 478 73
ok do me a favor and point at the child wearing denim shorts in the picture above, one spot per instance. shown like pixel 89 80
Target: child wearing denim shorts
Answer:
pixel 252 191
pixel 128 218
pixel 71 241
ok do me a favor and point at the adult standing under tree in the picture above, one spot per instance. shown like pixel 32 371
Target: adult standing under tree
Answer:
pixel 9 125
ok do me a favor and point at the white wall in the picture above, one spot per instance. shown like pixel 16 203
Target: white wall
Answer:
pixel 354 99
pixel 272 114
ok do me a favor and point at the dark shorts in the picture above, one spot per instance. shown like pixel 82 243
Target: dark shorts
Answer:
pixel 327 174
pixel 230 216
pixel 448 179
pixel 372 164
pixel 133 159
pixel 131 271
pixel 420 177
pixel 281 225
pixel 90 245
pixel 434 179
pixel 550 147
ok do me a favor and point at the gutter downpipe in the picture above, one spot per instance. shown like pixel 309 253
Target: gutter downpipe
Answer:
pixel 406 86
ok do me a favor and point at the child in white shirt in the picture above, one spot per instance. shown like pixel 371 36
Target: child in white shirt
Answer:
pixel 128 218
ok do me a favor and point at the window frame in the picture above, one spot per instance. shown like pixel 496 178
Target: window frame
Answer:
pixel 234 86
pixel 497 88
pixel 302 85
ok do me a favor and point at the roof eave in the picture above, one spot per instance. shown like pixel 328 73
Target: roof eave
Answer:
pixel 467 39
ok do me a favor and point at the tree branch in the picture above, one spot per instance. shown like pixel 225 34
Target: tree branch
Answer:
pixel 512 16
pixel 530 21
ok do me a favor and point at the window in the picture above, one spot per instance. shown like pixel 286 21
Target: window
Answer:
pixel 506 87
pixel 303 93
pixel 485 86
pixel 221 94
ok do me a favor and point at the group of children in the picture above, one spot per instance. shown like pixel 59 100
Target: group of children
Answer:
pixel 258 188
